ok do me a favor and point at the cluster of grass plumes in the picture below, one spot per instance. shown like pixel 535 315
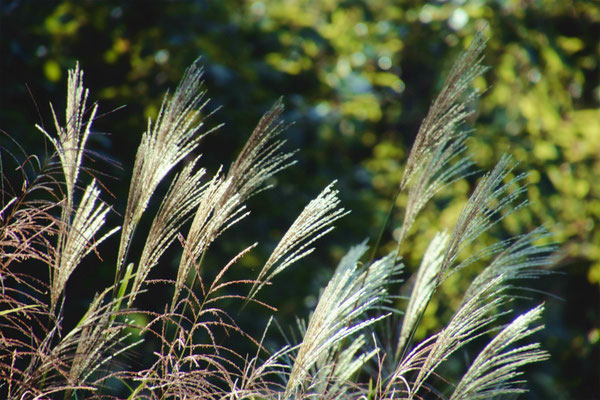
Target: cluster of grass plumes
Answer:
pixel 356 344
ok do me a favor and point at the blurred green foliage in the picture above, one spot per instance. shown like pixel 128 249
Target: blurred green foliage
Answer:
pixel 357 77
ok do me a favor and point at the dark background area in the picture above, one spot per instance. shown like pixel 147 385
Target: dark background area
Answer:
pixel 357 78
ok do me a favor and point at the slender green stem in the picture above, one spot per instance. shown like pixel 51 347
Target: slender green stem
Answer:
pixel 122 290
pixel 388 217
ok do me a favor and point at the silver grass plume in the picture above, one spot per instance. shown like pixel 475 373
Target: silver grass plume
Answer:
pixel 261 157
pixel 223 204
pixel 313 222
pixel 483 210
pixel 72 138
pixel 494 370
pixel 216 212
pixel 334 370
pixel 76 233
pixel 424 287
pixel 164 144
pixel 434 175
pixel 79 240
pixel 520 260
pixel 467 323
pixel 448 110
pixel 182 198
pixel 427 171
pixel 350 293
pixel 438 140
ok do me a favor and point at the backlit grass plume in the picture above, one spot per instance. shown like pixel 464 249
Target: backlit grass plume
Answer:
pixel 73 136
pixel 170 322
pixel 313 222
pixel 79 241
pixel 173 136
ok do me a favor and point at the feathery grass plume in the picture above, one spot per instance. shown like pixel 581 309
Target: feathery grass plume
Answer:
pixel 438 140
pixel 181 199
pixel 70 146
pixel 313 222
pixel 468 322
pixel 261 157
pixel 172 138
pixel 214 215
pixel 424 287
pixel 520 260
pixel 427 172
pixel 494 370
pixel 79 241
pixel 433 175
pixel 482 211
pixel 349 294
pixel 476 311
pixel 335 369
pixel 222 205
pixel 448 110
pixel 72 138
